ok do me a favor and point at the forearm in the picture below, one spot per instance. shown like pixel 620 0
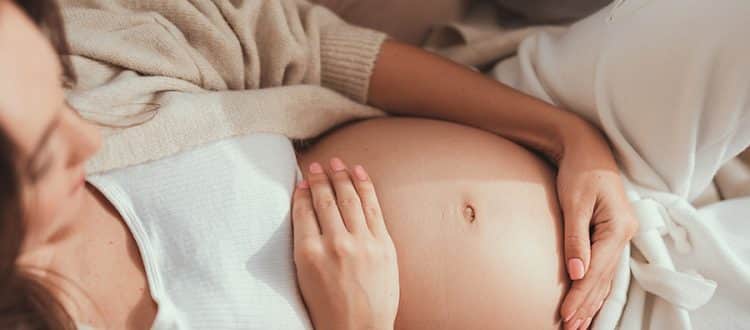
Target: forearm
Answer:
pixel 409 81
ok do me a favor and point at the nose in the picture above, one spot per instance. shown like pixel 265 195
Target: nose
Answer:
pixel 83 137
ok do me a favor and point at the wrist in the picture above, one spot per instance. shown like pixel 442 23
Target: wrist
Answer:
pixel 578 136
pixel 559 132
pixel 546 129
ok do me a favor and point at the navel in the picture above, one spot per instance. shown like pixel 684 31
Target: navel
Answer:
pixel 469 213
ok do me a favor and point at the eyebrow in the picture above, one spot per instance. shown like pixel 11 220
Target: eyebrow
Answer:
pixel 43 141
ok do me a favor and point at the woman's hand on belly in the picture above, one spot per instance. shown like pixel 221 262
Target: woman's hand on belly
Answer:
pixel 598 222
pixel 346 261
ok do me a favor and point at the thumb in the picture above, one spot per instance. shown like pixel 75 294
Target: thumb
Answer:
pixel 577 239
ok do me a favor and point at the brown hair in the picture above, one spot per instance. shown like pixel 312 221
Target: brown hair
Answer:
pixel 25 302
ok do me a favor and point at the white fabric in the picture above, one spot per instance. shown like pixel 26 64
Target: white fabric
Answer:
pixel 668 81
pixel 213 229
pixel 733 179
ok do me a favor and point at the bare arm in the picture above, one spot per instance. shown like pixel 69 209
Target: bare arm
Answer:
pixel 598 219
pixel 410 81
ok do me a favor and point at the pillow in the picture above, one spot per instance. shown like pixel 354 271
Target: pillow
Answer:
pixel 405 20
pixel 552 11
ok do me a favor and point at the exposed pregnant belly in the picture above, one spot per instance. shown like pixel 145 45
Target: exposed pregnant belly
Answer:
pixel 474 218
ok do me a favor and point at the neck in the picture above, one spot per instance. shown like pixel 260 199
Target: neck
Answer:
pixel 45 237
pixel 71 252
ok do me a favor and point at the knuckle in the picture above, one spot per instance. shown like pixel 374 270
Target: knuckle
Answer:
pixel 590 308
pixel 318 179
pixel 575 195
pixel 366 188
pixel 568 307
pixel 341 177
pixel 349 201
pixel 582 289
pixel 372 211
pixel 343 248
pixel 575 243
pixel 309 252
pixel 302 211
pixel 325 203
pixel 627 228
pixel 592 279
pixel 577 291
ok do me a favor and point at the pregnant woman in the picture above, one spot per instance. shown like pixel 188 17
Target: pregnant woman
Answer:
pixel 474 218
pixel 202 239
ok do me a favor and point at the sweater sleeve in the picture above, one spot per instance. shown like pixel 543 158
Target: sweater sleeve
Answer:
pixel 226 44
pixel 348 55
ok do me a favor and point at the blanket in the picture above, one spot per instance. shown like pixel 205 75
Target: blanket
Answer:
pixel 232 67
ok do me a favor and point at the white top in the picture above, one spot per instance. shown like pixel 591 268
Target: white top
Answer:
pixel 213 228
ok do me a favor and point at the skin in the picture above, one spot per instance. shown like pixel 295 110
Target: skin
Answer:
pixel 598 219
pixel 345 258
pixel 74 232
pixel 498 266
pixel 75 241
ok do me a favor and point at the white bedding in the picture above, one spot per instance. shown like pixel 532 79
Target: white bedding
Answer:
pixel 668 81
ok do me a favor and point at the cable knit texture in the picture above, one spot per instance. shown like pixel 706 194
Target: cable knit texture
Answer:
pixel 165 76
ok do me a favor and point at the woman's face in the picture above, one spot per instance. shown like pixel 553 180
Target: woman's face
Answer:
pixel 52 142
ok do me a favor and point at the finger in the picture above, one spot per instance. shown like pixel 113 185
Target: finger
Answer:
pixel 606 295
pixel 304 221
pixel 370 203
pixel 587 323
pixel 592 303
pixel 575 325
pixel 348 200
pixel 324 202
pixel 602 267
pixel 577 219
pixel 582 313
pixel 586 313
pixel 603 296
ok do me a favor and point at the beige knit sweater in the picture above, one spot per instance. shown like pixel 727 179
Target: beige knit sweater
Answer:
pixel 165 76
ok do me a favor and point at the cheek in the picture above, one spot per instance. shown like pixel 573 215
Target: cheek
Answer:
pixel 51 197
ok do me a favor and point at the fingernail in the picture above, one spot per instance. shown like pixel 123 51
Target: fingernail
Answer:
pixel 601 303
pixel 337 164
pixel 360 173
pixel 303 184
pixel 587 323
pixel 576 324
pixel 575 269
pixel 315 168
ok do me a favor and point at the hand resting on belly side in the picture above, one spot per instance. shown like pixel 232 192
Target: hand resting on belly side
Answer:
pixel 474 218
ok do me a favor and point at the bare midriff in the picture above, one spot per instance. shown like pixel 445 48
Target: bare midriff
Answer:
pixel 474 218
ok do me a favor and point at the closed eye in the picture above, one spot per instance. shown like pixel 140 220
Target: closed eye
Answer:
pixel 40 168
pixel 40 160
